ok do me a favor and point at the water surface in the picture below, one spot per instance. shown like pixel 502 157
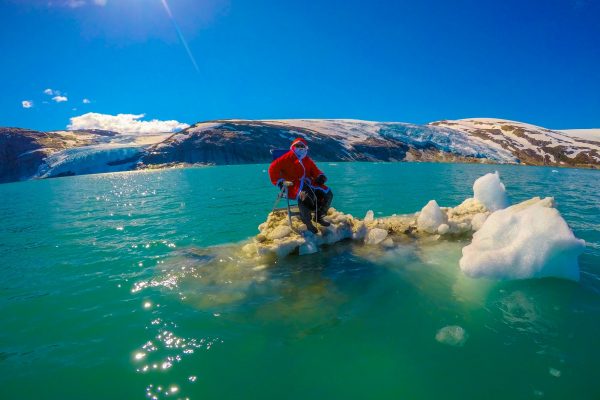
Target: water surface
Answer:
pixel 91 308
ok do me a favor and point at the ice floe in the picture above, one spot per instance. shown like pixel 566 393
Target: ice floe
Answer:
pixel 527 240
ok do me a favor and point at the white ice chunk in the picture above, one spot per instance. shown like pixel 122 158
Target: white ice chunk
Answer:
pixel 376 236
pixel 431 217
pixel 279 232
pixel 490 192
pixel 527 240
pixel 388 243
pixel 443 229
pixel 478 220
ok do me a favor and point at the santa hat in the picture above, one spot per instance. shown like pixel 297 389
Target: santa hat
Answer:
pixel 298 140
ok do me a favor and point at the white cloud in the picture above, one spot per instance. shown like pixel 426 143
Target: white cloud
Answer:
pixel 27 103
pixel 51 92
pixel 124 123
pixel 86 101
pixel 100 3
pixel 60 99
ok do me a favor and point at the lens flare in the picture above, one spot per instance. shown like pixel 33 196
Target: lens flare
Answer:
pixel 180 34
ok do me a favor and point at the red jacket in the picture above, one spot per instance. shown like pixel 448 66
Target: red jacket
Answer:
pixel 300 172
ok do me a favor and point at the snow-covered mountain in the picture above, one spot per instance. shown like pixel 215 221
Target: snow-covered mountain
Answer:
pixel 470 140
pixel 26 154
pixel 532 144
pixel 243 141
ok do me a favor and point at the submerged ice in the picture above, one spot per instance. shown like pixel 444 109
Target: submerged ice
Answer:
pixel 526 240
pixel 452 335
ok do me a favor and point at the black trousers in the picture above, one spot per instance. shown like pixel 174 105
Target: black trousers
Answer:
pixel 315 200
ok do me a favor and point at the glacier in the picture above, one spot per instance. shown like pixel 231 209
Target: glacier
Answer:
pixel 448 140
pixel 89 160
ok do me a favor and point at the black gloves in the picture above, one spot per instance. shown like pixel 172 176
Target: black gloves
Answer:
pixel 321 179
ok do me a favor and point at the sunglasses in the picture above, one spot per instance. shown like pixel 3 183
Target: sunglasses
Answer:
pixel 300 146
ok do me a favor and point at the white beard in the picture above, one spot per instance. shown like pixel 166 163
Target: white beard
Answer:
pixel 300 153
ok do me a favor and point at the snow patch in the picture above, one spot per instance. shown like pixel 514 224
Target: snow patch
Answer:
pixel 585 134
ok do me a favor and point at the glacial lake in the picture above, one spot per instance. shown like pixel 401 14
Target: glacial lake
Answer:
pixel 106 293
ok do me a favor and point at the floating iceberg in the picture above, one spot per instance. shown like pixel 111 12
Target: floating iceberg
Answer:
pixel 527 240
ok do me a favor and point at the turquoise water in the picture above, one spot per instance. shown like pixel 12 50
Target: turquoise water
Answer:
pixel 126 286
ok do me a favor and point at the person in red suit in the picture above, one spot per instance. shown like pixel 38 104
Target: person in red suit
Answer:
pixel 306 183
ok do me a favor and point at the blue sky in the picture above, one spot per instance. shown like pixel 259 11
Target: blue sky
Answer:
pixel 411 61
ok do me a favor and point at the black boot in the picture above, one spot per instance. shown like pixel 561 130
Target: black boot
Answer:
pixel 325 200
pixel 306 218
pixel 321 220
